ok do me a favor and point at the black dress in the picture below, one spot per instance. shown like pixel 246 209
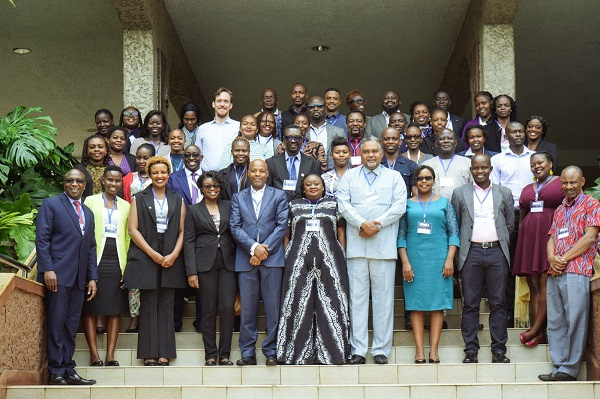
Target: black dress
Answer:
pixel 314 322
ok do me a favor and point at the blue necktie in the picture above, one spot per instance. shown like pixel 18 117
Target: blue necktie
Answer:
pixel 293 168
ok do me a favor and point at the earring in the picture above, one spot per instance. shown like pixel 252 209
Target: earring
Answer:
pixel 551 172
pixel 534 178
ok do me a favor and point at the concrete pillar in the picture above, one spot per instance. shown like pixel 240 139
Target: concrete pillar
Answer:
pixel 497 73
pixel 139 79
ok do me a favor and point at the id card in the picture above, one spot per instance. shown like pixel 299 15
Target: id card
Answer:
pixel 371 196
pixel 355 161
pixel 447 182
pixel 161 224
pixel 423 228
pixel 313 225
pixel 110 231
pixel 537 206
pixel 563 233
pixel 480 216
pixel 289 185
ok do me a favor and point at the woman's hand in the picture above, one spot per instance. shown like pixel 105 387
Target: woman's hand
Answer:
pixel 407 272
pixel 156 257
pixel 168 260
pixel 193 281
pixel 448 270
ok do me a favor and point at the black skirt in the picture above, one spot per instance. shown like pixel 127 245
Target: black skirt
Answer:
pixel 110 298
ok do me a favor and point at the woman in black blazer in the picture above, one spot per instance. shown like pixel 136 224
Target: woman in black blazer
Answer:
pixel 210 265
pixel 536 129
pixel 155 263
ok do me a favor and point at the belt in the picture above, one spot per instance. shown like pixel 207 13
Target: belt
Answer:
pixel 485 244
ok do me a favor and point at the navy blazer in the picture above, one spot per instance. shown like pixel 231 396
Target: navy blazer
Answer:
pixel 278 172
pixel 60 245
pixel 227 173
pixel 269 228
pixel 406 167
pixel 179 184
pixel 458 124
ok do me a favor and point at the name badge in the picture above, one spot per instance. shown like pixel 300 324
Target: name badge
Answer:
pixel 161 224
pixel 563 233
pixel 447 182
pixel 423 228
pixel 480 215
pixel 371 196
pixel 355 161
pixel 313 225
pixel 289 185
pixel 110 231
pixel 537 206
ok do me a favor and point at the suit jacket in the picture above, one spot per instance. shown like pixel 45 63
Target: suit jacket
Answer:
pixel 178 183
pixel 504 217
pixel 377 123
pixel 458 124
pixel 269 228
pixel 202 239
pixel 494 132
pixel 60 245
pixel 332 131
pixel 228 175
pixel 550 148
pixel 278 172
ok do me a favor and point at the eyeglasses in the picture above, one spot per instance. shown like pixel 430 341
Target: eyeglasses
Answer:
pixel 425 178
pixel 130 113
pixel 411 138
pixel 313 106
pixel 71 181
pixel 293 138
pixel 211 186
pixel 359 100
pixel 192 155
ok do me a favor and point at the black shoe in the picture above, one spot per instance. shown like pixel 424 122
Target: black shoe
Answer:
pixel 380 359
pixel 356 359
pixel 470 358
pixel 271 360
pixel 408 324
pixel 445 325
pixel 499 357
pixel 546 377
pixel 56 379
pixel 247 361
pixel 100 330
pixel 560 376
pixel 75 379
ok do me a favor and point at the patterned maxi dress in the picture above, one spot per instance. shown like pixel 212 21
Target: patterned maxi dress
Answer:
pixel 314 322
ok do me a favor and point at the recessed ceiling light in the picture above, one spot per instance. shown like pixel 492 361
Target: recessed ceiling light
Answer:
pixel 320 48
pixel 20 50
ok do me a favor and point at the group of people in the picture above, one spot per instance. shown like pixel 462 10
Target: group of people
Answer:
pixel 312 211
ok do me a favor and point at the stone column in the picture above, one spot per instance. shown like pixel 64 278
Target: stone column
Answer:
pixel 139 81
pixel 497 62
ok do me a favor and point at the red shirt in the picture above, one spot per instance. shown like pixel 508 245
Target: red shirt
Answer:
pixel 583 213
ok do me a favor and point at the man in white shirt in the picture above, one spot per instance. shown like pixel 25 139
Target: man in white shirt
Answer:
pixel 214 135
pixel 320 130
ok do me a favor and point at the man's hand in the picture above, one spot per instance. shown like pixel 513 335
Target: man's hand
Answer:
pixel 193 281
pixel 254 261
pixel 557 265
pixel 261 252
pixel 369 228
pixel 50 281
pixel 91 289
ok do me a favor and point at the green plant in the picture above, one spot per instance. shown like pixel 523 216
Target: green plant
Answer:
pixel 594 191
pixel 16 223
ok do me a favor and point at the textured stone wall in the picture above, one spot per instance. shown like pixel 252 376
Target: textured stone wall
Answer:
pixel 498 60
pixel 139 88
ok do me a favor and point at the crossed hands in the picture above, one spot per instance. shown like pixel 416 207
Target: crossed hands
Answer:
pixel 557 265
pixel 369 228
pixel 165 261
pixel 261 252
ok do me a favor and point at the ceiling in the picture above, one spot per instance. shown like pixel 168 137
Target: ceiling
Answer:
pixel 76 64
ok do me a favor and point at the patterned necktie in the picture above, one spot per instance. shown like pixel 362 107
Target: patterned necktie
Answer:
pixel 194 189
pixel 293 175
pixel 78 210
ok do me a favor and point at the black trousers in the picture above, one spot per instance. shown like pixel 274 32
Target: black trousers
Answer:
pixel 156 336
pixel 484 267
pixel 217 289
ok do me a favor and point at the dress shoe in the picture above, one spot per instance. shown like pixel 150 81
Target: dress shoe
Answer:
pixel 211 362
pixel 546 377
pixel 271 360
pixel 408 324
pixel 470 358
pixel 247 361
pixel 56 379
pixel 523 338
pixel 434 360
pixel 380 359
pixel 97 363
pixel 111 363
pixel 499 357
pixel 132 330
pixel 100 330
pixel 420 361
pixel 356 359
pixel 560 376
pixel 445 325
pixel 163 363
pixel 75 379
pixel 225 362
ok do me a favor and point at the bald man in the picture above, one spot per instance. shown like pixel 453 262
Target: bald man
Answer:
pixel 572 247
pixel 258 224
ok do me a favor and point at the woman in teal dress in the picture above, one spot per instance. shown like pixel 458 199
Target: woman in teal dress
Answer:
pixel 427 242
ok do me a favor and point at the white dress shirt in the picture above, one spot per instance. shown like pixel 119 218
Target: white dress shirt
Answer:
pixel 319 134
pixel 484 223
pixel 194 183
pixel 257 196
pixel 512 171
pixel 212 138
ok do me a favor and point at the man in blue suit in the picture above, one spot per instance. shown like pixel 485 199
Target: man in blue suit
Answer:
pixel 258 224
pixel 66 252
pixel 185 183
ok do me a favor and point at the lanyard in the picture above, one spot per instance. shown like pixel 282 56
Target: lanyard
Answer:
pixel 446 167
pixel 192 134
pixel 484 198
pixel 178 166
pixel 541 185
pixel 303 145
pixel 354 148
pixel 239 179
pixel 314 206
pixel 425 208
pixel 160 204
pixel 331 117
pixel 110 211
pixel 141 179
pixel 257 205
pixel 392 165
pixel 156 149
pixel 569 210
pixel 367 179
pixel 315 132
pixel 266 142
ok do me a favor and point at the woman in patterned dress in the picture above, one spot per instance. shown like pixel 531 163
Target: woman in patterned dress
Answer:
pixel 314 321
pixel 340 152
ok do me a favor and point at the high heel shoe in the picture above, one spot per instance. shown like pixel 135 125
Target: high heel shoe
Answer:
pixel 523 337
pixel 533 344
pixel 420 361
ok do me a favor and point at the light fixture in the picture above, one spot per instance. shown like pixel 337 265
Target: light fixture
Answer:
pixel 320 48
pixel 21 50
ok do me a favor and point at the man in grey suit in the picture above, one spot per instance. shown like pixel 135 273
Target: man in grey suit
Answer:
pixel 320 130
pixel 390 104
pixel 485 214
pixel 258 224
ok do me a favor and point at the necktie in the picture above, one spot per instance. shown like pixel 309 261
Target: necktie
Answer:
pixel 293 168
pixel 194 189
pixel 78 210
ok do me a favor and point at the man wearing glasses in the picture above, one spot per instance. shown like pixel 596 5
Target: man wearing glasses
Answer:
pixel 390 103
pixel 320 130
pixel 66 249
pixel 287 169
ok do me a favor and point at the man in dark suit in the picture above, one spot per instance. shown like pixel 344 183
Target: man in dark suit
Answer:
pixel 390 103
pixel 441 99
pixel 66 251
pixel 286 170
pixel 185 183
pixel 258 225
pixel 486 218
pixel 236 174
